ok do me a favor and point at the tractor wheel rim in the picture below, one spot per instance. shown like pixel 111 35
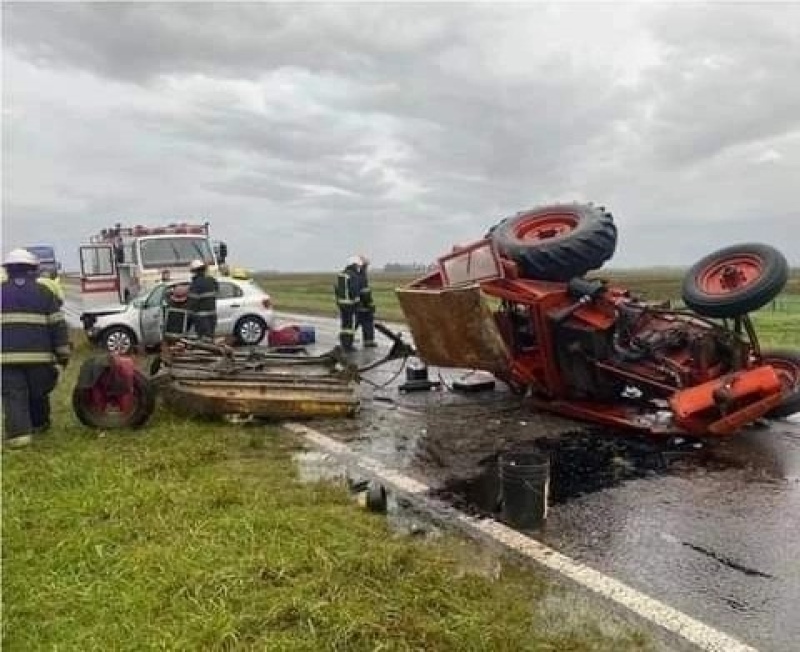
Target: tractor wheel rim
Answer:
pixel 788 371
pixel 98 403
pixel 730 274
pixel 250 331
pixel 545 227
pixel 119 342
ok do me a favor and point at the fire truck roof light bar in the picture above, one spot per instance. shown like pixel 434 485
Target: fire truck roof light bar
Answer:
pixel 137 231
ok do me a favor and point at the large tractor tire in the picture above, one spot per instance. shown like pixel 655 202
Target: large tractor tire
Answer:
pixel 557 243
pixel 736 280
pixel 99 406
pixel 787 364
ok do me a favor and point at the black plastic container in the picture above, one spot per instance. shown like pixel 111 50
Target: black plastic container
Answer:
pixel 525 482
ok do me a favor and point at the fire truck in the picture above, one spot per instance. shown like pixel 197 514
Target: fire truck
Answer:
pixel 128 260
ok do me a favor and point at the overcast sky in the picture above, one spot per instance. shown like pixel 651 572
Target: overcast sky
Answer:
pixel 305 133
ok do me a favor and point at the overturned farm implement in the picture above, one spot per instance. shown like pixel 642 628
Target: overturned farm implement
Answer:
pixel 518 303
pixel 202 379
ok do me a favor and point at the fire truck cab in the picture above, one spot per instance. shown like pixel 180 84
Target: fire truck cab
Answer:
pixel 127 260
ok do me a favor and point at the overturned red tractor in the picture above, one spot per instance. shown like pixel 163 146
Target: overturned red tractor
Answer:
pixel 518 304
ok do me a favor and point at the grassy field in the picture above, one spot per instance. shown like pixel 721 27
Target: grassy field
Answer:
pixel 195 536
pixel 778 324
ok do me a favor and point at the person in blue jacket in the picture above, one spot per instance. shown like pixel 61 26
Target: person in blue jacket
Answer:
pixel 35 339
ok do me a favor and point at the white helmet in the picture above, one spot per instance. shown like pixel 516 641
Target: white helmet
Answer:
pixel 354 260
pixel 196 264
pixel 21 257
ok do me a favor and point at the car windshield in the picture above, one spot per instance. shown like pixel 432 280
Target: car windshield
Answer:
pixel 167 252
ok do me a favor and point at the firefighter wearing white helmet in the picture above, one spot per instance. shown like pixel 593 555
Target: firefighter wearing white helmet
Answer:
pixel 202 300
pixel 34 340
pixel 350 295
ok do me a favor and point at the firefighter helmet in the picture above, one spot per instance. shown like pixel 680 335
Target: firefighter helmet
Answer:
pixel 21 257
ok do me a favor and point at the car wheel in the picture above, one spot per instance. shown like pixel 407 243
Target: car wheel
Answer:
pixel 118 339
pixel 250 330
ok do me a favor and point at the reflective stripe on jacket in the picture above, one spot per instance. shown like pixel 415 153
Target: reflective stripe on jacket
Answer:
pixel 34 330
pixel 53 285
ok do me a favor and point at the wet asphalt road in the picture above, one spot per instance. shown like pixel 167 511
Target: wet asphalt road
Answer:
pixel 715 534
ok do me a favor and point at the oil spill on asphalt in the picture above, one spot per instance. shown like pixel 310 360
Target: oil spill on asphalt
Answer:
pixel 712 530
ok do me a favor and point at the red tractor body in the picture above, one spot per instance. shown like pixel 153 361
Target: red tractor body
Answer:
pixel 593 351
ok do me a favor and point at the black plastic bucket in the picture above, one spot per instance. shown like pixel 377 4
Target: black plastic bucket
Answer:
pixel 525 480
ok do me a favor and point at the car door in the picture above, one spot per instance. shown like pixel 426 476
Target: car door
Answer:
pixel 151 315
pixel 229 303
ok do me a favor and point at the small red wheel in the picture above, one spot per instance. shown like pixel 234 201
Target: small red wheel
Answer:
pixel 110 402
pixel 736 280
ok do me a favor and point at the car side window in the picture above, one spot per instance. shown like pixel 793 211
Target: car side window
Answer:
pixel 229 291
pixel 155 297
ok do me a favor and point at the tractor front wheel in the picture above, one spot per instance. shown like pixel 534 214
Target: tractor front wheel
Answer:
pixel 787 364
pixel 735 280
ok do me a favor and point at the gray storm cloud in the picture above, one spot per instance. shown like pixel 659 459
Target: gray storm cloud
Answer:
pixel 306 132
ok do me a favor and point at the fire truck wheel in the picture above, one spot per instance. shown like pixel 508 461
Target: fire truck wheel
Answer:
pixel 118 339
pixel 250 330
pixel 787 364
pixel 557 243
pixel 735 280
pixel 96 407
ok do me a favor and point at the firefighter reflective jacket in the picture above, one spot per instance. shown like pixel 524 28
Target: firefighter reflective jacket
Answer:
pixel 365 302
pixel 347 287
pixel 54 286
pixel 34 330
pixel 203 296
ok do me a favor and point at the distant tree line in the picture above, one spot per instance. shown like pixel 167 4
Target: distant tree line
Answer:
pixel 400 268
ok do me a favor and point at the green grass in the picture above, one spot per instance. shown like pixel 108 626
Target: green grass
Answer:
pixel 194 536
pixel 777 324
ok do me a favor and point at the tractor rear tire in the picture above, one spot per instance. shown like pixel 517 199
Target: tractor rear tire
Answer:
pixel 95 416
pixel 558 242
pixel 787 364
pixel 736 280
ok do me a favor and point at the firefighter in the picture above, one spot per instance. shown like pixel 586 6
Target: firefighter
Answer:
pixel 347 291
pixel 34 340
pixel 365 308
pixel 202 304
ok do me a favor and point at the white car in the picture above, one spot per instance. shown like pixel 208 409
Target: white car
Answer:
pixel 244 311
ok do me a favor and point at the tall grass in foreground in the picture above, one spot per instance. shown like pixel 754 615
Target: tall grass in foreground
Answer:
pixel 195 536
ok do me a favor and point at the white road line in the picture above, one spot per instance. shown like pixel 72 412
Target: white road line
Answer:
pixel 657 613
